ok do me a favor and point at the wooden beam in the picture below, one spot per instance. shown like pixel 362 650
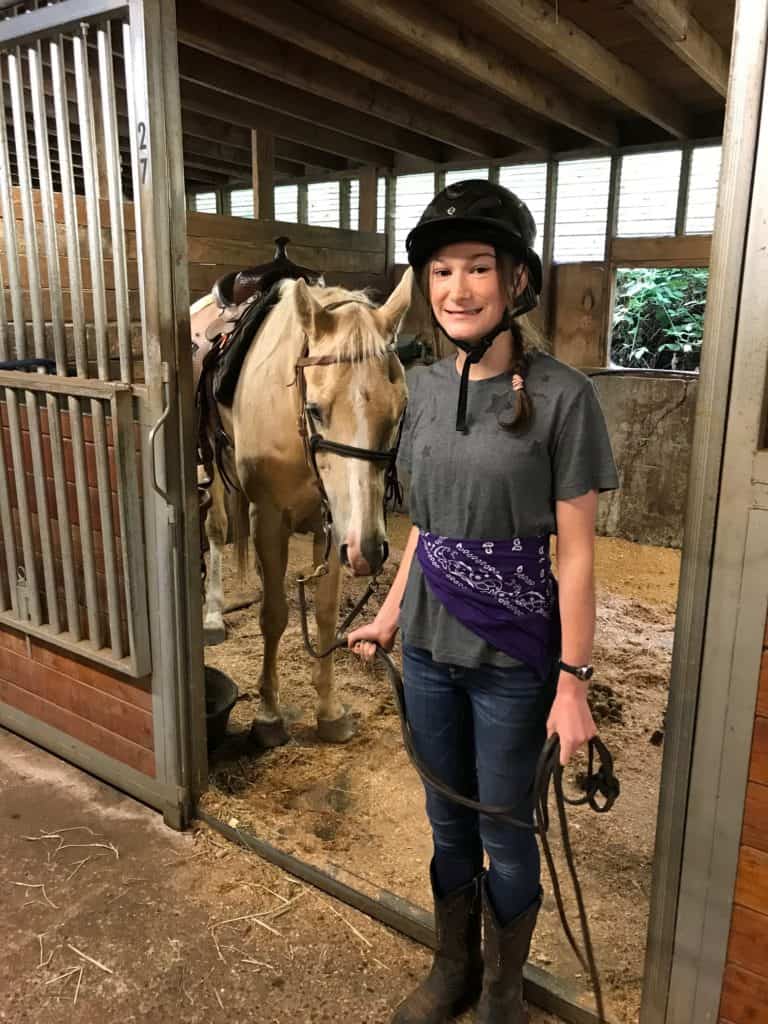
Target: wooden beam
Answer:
pixel 213 152
pixel 368 194
pixel 225 172
pixel 457 48
pixel 539 23
pixel 216 129
pixel 206 101
pixel 310 155
pixel 213 32
pixel 263 160
pixel 334 42
pixel 672 23
pixel 237 82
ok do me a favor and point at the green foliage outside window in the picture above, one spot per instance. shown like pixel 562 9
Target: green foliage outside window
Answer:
pixel 658 319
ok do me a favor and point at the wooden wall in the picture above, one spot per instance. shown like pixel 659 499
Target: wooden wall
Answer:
pixel 745 984
pixel 218 245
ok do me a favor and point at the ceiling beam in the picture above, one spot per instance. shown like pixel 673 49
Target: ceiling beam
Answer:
pixel 456 48
pixel 240 112
pixel 214 33
pixel 237 82
pixel 672 23
pixel 539 23
pixel 334 42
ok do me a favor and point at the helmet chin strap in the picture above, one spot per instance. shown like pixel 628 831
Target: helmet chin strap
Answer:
pixel 475 352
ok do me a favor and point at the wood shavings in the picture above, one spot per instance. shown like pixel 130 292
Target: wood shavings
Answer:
pixel 41 887
pixel 96 963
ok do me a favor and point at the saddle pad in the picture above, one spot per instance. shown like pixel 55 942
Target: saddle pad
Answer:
pixel 231 361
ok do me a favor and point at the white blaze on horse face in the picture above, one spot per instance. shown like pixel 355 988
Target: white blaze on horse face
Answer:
pixel 362 488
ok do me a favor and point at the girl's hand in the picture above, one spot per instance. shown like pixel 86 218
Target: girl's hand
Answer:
pixel 363 640
pixel 570 716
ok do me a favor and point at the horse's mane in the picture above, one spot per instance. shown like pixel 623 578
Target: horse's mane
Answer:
pixel 357 339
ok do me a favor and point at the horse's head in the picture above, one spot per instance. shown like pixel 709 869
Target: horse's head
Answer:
pixel 355 396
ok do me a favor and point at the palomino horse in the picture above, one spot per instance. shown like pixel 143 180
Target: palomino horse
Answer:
pixel 323 362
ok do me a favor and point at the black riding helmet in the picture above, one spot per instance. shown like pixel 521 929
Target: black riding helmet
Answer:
pixel 480 211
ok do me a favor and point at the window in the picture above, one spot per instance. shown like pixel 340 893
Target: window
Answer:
pixel 582 209
pixel 473 174
pixel 241 202
pixel 702 190
pixel 287 203
pixel 648 192
pixel 204 202
pixel 354 204
pixel 529 183
pixel 412 193
pixel 324 204
pixel 381 205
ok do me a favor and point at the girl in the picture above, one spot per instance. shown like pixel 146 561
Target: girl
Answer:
pixel 504 445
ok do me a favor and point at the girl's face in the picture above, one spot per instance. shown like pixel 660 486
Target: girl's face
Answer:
pixel 466 291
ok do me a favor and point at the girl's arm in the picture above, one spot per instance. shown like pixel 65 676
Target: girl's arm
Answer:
pixel 570 716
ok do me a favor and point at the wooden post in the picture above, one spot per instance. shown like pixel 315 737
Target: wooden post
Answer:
pixel 345 196
pixel 303 215
pixel 368 195
pixel 263 159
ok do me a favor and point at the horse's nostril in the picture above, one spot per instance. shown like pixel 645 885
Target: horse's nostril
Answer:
pixel 343 555
pixel 384 552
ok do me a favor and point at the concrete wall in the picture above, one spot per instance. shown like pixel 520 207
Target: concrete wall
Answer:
pixel 650 421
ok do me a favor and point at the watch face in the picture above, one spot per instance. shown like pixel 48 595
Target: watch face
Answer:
pixel 586 673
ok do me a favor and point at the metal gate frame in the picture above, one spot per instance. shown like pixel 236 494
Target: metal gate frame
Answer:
pixel 164 402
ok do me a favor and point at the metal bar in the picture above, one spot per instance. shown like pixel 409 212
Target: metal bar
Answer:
pixel 92 205
pixel 6 519
pixel 69 204
pixel 57 327
pixel 29 570
pixel 104 488
pixel 131 532
pixel 115 194
pixel 38 333
pixel 541 988
pixel 56 18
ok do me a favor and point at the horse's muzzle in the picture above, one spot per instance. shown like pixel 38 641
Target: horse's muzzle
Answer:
pixel 367 560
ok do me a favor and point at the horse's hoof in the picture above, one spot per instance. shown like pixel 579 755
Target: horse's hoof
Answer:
pixel 269 734
pixel 213 635
pixel 336 730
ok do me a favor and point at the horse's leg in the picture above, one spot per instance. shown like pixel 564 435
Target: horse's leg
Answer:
pixel 334 724
pixel 214 630
pixel 270 536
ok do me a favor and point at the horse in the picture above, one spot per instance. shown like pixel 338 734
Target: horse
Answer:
pixel 314 424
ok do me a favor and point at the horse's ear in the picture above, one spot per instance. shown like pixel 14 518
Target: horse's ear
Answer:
pixel 394 309
pixel 308 309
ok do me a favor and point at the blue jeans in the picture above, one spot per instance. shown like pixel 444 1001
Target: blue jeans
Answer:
pixel 480 730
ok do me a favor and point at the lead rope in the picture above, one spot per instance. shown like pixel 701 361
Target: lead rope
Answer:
pixel 549 772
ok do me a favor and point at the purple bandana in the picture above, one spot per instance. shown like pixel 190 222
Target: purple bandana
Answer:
pixel 503 591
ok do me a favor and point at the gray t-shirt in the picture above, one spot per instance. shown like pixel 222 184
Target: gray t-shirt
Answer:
pixel 492 483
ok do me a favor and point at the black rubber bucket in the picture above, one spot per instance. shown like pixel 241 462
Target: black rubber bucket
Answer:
pixel 220 696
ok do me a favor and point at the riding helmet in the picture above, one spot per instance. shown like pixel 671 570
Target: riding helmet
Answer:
pixel 481 211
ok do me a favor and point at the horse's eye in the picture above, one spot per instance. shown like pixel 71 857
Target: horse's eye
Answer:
pixel 315 411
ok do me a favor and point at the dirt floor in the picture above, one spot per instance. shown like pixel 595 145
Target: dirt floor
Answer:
pixel 109 916
pixel 358 809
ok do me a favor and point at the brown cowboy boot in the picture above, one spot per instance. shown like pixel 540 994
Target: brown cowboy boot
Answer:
pixel 505 953
pixel 454 982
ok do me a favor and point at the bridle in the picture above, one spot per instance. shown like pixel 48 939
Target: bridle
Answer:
pixel 314 442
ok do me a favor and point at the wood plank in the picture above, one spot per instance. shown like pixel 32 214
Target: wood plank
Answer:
pixel 206 101
pixel 755 830
pixel 96 706
pixel 132 268
pixel 13 640
pixel 762 693
pixel 315 32
pixel 263 174
pixel 240 84
pixel 118 747
pixel 216 251
pixel 559 37
pixel 672 22
pixel 224 36
pixel 679 251
pixel 758 765
pixel 579 295
pixel 752 880
pixel 749 940
pixel 253 232
pixel 435 34
pixel 745 996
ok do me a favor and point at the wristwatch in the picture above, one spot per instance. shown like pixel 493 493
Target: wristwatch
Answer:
pixel 583 672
